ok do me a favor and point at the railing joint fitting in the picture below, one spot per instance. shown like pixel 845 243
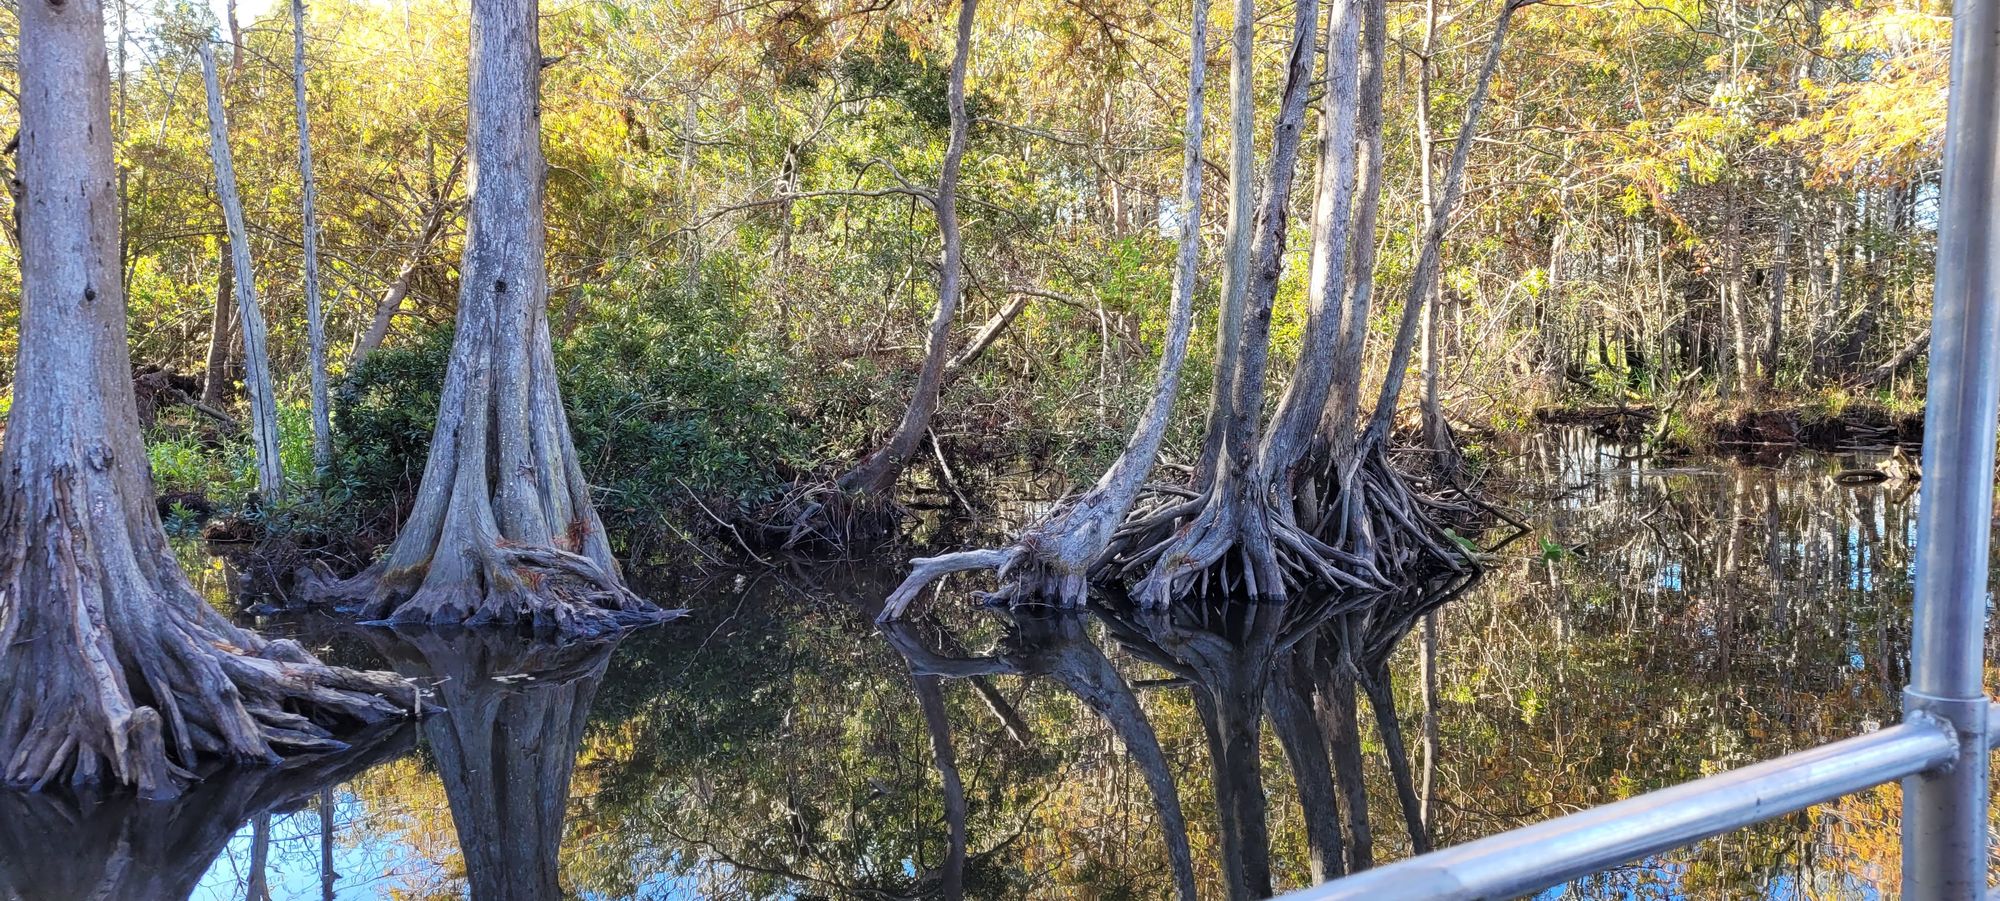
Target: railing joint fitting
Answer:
pixel 1965 718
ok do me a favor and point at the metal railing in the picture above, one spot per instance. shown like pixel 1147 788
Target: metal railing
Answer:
pixel 1940 750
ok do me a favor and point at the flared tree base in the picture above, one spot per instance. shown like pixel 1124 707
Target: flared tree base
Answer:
pixel 542 590
pixel 1377 532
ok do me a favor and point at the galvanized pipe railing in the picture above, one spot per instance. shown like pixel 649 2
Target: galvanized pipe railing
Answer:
pixel 1944 809
pixel 1528 859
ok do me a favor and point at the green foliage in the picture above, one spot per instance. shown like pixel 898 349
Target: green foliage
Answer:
pixel 382 418
pixel 918 80
pixel 664 407
pixel 657 417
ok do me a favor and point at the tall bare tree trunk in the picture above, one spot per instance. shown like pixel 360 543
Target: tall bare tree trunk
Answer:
pixel 877 473
pixel 1237 231
pixel 1335 242
pixel 503 529
pixel 309 199
pixel 1430 258
pixel 1781 265
pixel 136 679
pixel 1053 559
pixel 1344 398
pixel 1436 429
pixel 256 355
pixel 221 332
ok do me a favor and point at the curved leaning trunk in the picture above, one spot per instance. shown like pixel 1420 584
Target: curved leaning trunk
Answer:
pixel 877 473
pixel 1053 559
pixel 1430 258
pixel 138 681
pixel 503 529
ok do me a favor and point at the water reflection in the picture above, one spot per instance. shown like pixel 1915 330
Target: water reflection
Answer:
pixel 506 746
pixel 1668 619
pixel 55 847
pixel 1055 645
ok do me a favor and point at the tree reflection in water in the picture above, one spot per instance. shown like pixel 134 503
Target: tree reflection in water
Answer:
pixel 1297 664
pixel 506 745
pixel 61 847
pixel 1669 618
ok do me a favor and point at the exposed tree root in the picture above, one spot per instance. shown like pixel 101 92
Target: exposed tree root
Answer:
pixel 828 514
pixel 1179 545
pixel 136 679
pixel 541 589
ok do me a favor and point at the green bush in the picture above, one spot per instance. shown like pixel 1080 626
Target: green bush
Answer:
pixel 657 413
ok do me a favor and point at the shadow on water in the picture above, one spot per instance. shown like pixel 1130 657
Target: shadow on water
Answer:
pixel 1667 619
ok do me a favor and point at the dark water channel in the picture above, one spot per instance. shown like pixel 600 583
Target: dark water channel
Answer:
pixel 1668 619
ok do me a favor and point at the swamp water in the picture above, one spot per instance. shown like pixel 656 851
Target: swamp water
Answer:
pixel 1666 619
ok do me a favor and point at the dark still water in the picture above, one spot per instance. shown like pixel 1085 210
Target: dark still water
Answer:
pixel 1665 620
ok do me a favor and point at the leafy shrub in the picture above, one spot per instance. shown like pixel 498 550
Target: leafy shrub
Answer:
pixel 658 413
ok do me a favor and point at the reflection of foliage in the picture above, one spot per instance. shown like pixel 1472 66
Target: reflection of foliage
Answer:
pixel 1712 617
pixel 773 745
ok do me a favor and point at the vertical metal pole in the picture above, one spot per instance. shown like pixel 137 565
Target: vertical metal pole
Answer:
pixel 1944 811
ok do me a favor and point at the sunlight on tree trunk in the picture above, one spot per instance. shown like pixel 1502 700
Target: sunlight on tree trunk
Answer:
pixel 138 681
pixel 308 200
pixel 256 355
pixel 503 530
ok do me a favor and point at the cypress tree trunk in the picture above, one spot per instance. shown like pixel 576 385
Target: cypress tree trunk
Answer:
pixel 309 198
pixel 256 356
pixel 137 681
pixel 1053 559
pixel 503 530
pixel 221 333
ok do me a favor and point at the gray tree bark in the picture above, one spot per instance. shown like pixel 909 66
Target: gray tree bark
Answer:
pixel 221 332
pixel 503 529
pixel 878 472
pixel 1344 398
pixel 309 199
pixel 250 316
pixel 1430 259
pixel 1237 231
pixel 138 681
pixel 1053 558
